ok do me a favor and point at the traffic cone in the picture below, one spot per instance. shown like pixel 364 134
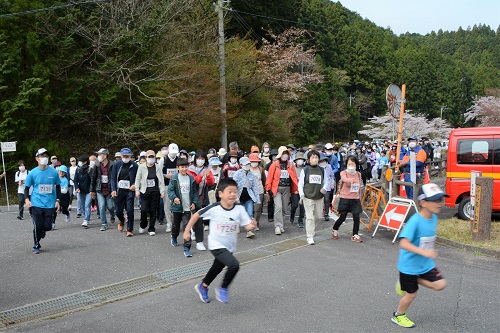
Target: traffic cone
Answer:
pixel 427 178
pixel 402 191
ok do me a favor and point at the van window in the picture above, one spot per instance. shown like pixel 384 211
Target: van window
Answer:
pixel 475 151
pixel 497 151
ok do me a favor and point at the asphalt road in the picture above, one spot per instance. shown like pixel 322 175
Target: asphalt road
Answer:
pixel 333 286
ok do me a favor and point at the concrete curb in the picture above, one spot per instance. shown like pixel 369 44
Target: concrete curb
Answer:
pixel 468 248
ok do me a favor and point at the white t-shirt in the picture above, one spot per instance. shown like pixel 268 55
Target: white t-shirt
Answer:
pixel 184 184
pixel 224 224
pixel 72 172
pixel 21 176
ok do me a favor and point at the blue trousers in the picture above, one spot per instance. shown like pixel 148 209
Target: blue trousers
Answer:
pixel 125 199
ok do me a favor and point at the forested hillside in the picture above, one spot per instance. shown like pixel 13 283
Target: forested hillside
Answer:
pixel 140 73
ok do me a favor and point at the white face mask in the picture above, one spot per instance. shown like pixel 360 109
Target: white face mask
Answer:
pixel 266 150
pixel 322 164
pixel 200 162
pixel 191 159
pixel 284 158
pixel 233 160
pixel 254 165
pixel 274 158
pixel 164 152
pixel 412 145
pixel 351 169
pixel 54 161
pixel 151 160
pixel 92 163
pixel 246 167
pixel 300 162
pixel 44 160
pixel 172 155
pixel 328 153
pixel 126 160
pixel 99 158
pixel 22 168
pixel 80 163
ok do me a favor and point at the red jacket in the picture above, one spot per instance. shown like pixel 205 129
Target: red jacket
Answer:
pixel 273 177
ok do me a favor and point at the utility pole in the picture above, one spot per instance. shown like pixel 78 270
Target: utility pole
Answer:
pixel 222 72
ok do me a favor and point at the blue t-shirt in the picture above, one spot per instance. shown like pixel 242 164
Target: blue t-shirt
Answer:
pixel 382 161
pixel 64 184
pixel 44 187
pixel 422 233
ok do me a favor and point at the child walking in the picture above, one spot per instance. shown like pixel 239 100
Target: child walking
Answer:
pixel 225 218
pixel 416 257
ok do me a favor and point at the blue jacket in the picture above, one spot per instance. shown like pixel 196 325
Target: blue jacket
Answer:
pixel 252 188
pixel 115 172
pixel 174 191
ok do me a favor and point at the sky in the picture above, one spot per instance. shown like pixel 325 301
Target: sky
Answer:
pixel 424 16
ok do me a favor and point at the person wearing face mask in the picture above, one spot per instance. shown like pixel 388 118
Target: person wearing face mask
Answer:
pixel 270 201
pixel 313 185
pixel 330 180
pixel 123 175
pixel 169 169
pixel 281 182
pixel 83 179
pixel 71 174
pixel 204 179
pixel 363 163
pixel 229 168
pixel 260 175
pixel 337 166
pixel 45 197
pixel 233 149
pixel 53 161
pixel 382 161
pixel 214 164
pixel 149 186
pixel 265 155
pixel 248 189
pixel 20 179
pixel 420 158
pixel 100 187
pixel 350 195
pixel 92 167
pixel 300 162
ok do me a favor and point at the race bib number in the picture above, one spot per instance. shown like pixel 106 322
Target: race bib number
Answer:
pixel 44 189
pixel 355 187
pixel 151 182
pixel 427 243
pixel 230 173
pixel 124 184
pixel 314 179
pixel 171 171
pixel 184 188
pixel 227 229
pixel 284 174
pixel 104 179
pixel 64 190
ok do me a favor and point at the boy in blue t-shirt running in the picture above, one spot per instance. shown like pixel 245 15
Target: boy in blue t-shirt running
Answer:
pixel 416 257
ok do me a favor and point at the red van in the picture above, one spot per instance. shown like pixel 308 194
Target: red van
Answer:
pixel 469 149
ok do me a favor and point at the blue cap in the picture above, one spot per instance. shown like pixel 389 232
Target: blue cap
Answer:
pixel 214 161
pixel 63 168
pixel 126 151
pixel 323 157
pixel 413 138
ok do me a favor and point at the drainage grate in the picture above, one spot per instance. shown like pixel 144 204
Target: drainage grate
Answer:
pixel 121 290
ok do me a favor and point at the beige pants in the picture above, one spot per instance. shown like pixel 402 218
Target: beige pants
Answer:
pixel 257 208
pixel 314 211
pixel 281 202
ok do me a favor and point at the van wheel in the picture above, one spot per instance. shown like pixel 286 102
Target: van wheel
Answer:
pixel 464 209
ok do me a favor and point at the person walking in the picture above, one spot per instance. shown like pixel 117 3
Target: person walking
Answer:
pixel 248 189
pixel 82 186
pixel 260 175
pixel 20 179
pixel 102 189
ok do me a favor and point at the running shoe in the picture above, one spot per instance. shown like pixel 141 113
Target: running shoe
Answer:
pixel 187 252
pixel 20 217
pixel 402 320
pixel 310 240
pixel 277 231
pixel 202 292
pixel 222 295
pixel 151 233
pixel 141 230
pixel 356 238
pixel 130 234
pixel 85 224
pixel 250 234
pixel 103 228
pixel 200 246
pixel 36 251
pixel 173 241
pixel 68 217
pixel 335 234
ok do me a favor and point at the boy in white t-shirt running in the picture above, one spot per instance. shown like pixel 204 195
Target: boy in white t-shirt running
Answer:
pixel 225 218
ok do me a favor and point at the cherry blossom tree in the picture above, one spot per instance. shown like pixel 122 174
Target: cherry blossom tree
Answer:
pixel 413 124
pixel 486 110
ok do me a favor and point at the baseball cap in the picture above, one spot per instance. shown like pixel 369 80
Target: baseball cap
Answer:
pixel 328 146
pixel 244 160
pixel 118 154
pixel 53 158
pixel 63 168
pixel 102 151
pixel 126 151
pixel 42 151
pixel 413 138
pixel 142 154
pixel 431 192
pixel 173 148
pixel 73 159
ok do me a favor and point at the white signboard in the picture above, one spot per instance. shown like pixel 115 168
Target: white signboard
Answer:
pixel 473 175
pixel 8 146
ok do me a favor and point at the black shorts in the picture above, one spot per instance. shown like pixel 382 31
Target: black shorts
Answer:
pixel 409 283
pixel 350 205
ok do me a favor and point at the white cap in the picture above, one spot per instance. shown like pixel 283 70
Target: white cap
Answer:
pixel 244 160
pixel 222 152
pixel 328 146
pixel 431 192
pixel 173 148
pixel 143 153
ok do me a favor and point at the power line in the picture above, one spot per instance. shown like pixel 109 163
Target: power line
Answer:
pixel 34 11
pixel 278 19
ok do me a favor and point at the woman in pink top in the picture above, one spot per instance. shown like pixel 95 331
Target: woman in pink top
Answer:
pixel 350 189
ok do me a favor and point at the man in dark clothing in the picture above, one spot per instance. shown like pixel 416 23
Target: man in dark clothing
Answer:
pixel 82 182
pixel 100 187
pixel 233 148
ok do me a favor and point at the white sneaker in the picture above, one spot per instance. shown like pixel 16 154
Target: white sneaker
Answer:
pixel 193 236
pixel 205 228
pixel 277 231
pixel 250 234
pixel 54 226
pixel 85 224
pixel 169 228
pixel 282 230
pixel 141 231
pixel 310 240
pixel 68 217
pixel 152 233
pixel 256 229
pixel 200 246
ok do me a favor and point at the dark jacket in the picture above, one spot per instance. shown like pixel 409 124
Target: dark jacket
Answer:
pixel 83 176
pixel 115 172
pixel 174 191
pixel 96 179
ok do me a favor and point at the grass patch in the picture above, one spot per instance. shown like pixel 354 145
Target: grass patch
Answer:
pixel 459 231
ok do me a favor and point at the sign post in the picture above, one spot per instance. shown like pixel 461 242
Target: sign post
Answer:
pixel 473 176
pixel 395 214
pixel 7 147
